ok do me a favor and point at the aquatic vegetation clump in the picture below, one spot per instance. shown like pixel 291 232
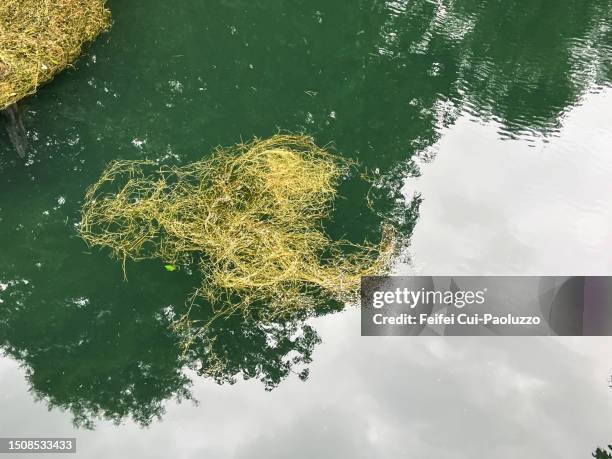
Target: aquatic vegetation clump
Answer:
pixel 250 215
pixel 40 38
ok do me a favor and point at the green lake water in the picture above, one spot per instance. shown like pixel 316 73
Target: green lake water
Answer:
pixel 488 127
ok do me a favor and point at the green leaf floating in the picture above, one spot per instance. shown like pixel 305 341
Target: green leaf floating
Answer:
pixel 170 267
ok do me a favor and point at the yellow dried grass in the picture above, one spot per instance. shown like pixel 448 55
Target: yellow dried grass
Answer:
pixel 40 38
pixel 251 215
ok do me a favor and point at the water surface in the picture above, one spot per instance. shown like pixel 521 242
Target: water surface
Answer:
pixel 486 124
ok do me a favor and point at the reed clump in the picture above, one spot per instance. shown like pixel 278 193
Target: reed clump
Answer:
pixel 251 215
pixel 40 38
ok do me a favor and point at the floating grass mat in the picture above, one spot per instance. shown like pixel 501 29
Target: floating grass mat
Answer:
pixel 251 215
pixel 40 38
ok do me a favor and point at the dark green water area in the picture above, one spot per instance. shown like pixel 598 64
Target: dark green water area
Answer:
pixel 383 82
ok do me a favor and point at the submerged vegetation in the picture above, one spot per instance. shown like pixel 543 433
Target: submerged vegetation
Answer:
pixel 250 215
pixel 40 38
